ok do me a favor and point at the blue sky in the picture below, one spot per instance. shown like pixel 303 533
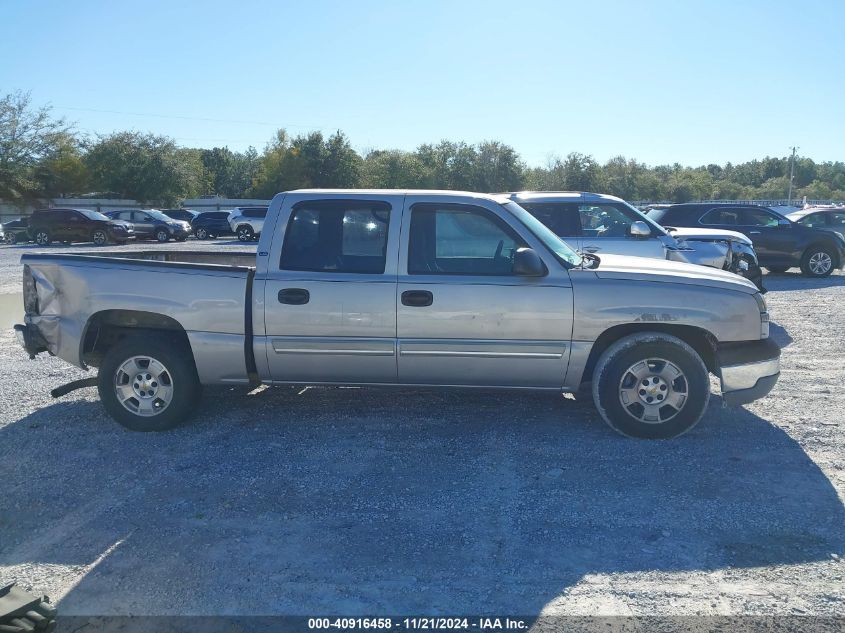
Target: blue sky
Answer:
pixel 692 82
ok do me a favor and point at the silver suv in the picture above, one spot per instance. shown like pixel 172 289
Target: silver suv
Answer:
pixel 247 222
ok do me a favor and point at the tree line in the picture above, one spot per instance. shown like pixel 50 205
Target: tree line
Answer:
pixel 43 157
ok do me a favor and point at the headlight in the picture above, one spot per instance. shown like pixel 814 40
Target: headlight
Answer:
pixel 764 315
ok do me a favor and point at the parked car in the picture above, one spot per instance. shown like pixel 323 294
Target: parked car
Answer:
pixel 779 242
pixel 830 219
pixel 183 215
pixel 16 231
pixel 247 222
pixel 405 288
pixel 211 224
pixel 598 223
pixel 151 224
pixel 77 225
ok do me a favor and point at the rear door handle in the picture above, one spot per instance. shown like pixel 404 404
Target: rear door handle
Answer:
pixel 417 298
pixel 294 296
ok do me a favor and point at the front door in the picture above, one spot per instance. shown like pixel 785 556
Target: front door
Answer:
pixel 606 228
pixel 463 316
pixel 144 224
pixel 330 297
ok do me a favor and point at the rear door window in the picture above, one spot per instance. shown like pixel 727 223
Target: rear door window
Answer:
pixel 337 236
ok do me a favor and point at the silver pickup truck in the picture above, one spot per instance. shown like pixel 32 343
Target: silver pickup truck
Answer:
pixel 402 288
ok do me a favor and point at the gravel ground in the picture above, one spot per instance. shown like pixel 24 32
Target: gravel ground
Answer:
pixel 359 501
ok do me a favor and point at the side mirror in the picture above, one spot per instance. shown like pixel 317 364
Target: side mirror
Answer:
pixel 527 263
pixel 639 229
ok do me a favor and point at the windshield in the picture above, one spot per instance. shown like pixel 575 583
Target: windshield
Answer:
pixel 561 249
pixel 93 215
pixel 158 215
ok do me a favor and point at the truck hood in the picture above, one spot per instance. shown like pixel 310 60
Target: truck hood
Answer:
pixel 689 233
pixel 665 271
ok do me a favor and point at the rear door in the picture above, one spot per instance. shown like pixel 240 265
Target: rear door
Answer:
pixel 463 316
pixel 330 294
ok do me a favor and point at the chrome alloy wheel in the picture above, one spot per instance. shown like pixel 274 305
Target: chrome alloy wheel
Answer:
pixel 653 390
pixel 820 263
pixel 143 386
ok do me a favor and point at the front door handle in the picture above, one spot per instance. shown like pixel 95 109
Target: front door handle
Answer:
pixel 417 298
pixel 294 296
pixel 754 232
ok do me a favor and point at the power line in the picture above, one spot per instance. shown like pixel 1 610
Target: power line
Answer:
pixel 190 118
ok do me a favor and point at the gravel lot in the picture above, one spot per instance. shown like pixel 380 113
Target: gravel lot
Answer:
pixel 358 501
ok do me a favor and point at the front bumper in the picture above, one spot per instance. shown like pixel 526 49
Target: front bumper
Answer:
pixel 748 370
pixel 30 339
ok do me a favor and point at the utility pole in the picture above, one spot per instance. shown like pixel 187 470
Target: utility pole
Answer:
pixel 791 174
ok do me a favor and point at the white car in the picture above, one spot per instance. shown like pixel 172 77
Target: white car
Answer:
pixel 247 222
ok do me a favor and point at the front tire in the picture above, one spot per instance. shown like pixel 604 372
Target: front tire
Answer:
pixel 201 234
pixel 99 237
pixel 817 262
pixel 162 236
pixel 651 386
pixel 43 238
pixel 245 233
pixel 148 385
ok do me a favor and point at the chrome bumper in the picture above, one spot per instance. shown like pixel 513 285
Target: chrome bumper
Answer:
pixel 748 370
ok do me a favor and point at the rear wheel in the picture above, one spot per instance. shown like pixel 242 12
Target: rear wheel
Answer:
pixel 245 233
pixel 148 385
pixel 817 262
pixel 42 237
pixel 777 269
pixel 651 386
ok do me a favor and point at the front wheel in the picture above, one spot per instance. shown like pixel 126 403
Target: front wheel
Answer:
pixel 817 262
pixel 162 236
pixel 148 385
pixel 201 234
pixel 42 238
pixel 99 237
pixel 245 233
pixel 651 386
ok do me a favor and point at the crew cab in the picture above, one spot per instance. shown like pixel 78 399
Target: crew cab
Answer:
pixel 384 287
pixel 600 223
pixel 780 243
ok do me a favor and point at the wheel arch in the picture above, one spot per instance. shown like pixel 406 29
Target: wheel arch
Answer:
pixel 105 328
pixel 702 341
pixel 826 245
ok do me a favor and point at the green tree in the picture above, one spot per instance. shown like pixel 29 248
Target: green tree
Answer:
pixel 146 167
pixel 28 136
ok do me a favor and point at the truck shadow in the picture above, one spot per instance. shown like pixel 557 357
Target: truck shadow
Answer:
pixel 358 501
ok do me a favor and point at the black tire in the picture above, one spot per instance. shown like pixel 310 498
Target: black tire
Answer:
pixel 201 234
pixel 245 233
pixel 181 375
pixel 818 262
pixel 614 370
pixel 99 237
pixel 162 236
pixel 42 237
pixel 778 269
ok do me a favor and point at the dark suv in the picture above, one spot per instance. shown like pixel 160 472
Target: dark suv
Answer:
pixel 151 224
pixel 77 225
pixel 211 224
pixel 779 242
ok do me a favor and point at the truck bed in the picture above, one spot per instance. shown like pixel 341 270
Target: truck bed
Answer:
pixel 194 259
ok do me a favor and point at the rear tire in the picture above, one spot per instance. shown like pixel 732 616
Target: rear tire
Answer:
pixel 817 262
pixel 651 386
pixel 148 385
pixel 777 269
pixel 245 233
pixel 43 238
